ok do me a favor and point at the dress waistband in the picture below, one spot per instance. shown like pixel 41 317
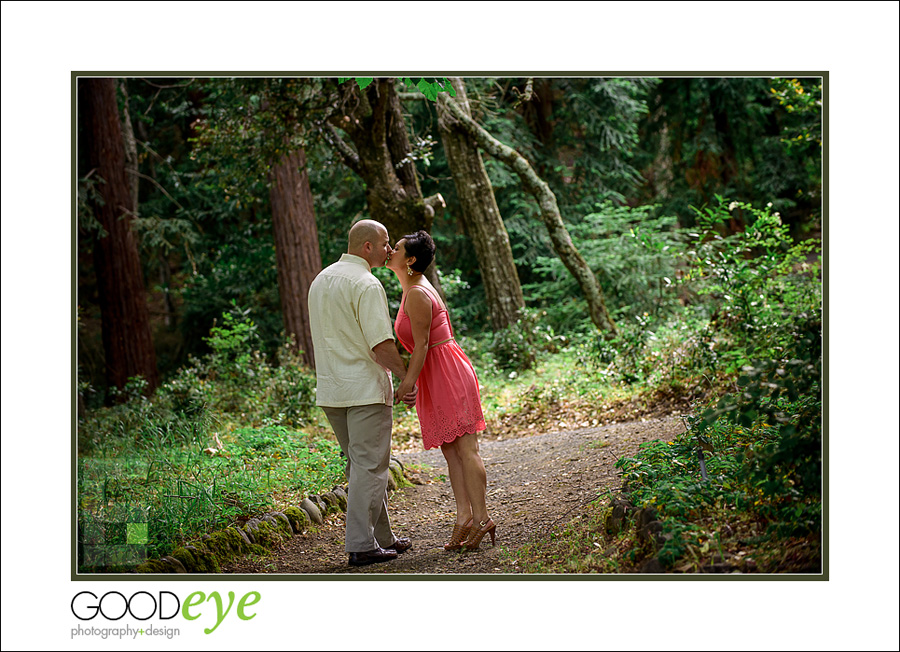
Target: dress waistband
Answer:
pixel 439 343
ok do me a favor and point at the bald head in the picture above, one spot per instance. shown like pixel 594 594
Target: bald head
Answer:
pixel 365 231
pixel 369 239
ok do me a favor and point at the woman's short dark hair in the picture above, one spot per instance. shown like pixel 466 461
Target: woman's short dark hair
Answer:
pixel 420 245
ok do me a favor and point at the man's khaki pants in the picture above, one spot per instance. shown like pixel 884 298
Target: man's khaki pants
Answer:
pixel 364 433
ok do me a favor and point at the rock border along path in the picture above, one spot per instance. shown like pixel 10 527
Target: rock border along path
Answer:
pixel 535 484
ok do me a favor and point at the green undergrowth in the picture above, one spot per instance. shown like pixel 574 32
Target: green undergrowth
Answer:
pixel 184 492
pixel 231 435
pixel 750 335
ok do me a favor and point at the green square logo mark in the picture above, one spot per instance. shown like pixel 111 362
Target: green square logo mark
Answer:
pixel 136 533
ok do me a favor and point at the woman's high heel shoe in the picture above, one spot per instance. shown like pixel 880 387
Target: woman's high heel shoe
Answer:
pixel 460 532
pixel 477 534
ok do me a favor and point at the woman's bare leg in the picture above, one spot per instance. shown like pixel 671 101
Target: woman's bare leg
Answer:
pixel 474 475
pixel 458 482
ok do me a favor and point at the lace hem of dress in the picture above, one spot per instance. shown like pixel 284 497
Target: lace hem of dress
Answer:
pixel 454 434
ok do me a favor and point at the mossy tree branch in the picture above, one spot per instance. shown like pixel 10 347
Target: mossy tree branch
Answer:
pixel 549 212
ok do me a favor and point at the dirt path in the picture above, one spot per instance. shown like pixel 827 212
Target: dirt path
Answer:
pixel 535 484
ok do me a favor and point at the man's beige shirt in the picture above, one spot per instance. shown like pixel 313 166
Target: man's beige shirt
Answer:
pixel 348 317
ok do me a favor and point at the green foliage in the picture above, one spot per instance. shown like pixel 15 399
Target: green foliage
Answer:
pixel 766 435
pixel 234 382
pixel 248 125
pixel 602 118
pixel 154 454
pixel 512 347
pixel 708 136
pixel 752 280
pixel 803 102
pixel 517 347
pixel 241 270
pixel 232 342
pixel 769 472
pixel 634 254
pixel 722 302
pixel 625 354
pixel 181 492
pixel 89 196
pixel 429 89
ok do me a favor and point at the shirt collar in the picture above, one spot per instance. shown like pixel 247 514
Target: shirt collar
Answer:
pixel 356 260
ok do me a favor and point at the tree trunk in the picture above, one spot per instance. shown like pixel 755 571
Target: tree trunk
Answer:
pixel 130 143
pixel 296 246
pixel 480 215
pixel 373 119
pixel 550 215
pixel 127 341
pixel 132 170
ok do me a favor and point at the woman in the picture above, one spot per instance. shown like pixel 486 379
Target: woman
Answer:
pixel 448 403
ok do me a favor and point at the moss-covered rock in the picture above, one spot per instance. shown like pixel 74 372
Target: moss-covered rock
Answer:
pixel 175 565
pixel 235 541
pixel 315 515
pixel 298 518
pixel 206 561
pixel 284 524
pixel 219 544
pixel 331 501
pixel 243 535
pixel 619 513
pixel 211 551
pixel 320 503
pixel 341 496
pixel 153 566
pixel 283 527
pixel 251 527
pixel 186 558
pixel 268 536
pixel 399 480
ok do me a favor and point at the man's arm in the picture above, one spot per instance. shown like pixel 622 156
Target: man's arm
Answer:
pixel 387 356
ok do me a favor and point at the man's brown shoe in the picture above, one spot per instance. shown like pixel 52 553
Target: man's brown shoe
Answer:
pixel 400 545
pixel 372 556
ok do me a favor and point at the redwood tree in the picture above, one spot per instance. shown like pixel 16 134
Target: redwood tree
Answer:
pixel 296 245
pixel 127 341
pixel 257 136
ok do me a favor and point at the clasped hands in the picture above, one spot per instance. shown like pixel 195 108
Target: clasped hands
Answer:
pixel 408 396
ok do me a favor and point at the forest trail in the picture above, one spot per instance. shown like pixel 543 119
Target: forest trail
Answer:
pixel 535 484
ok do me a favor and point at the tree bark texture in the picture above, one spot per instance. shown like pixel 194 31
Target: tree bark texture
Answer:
pixel 550 215
pixel 296 246
pixel 480 214
pixel 130 143
pixel 373 119
pixel 127 341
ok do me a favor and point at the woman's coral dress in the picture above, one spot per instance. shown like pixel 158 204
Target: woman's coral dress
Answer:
pixel 448 403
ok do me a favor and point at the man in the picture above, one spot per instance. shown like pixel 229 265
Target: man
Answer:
pixel 353 344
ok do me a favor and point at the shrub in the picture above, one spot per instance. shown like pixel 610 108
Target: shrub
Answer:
pixel 518 346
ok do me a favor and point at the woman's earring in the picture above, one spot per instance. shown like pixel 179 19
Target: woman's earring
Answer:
pixel 409 271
